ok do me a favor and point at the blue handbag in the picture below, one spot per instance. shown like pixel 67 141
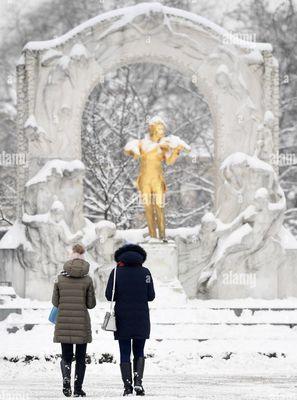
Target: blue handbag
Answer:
pixel 53 315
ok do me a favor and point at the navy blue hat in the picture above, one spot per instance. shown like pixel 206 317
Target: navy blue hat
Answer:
pixel 130 247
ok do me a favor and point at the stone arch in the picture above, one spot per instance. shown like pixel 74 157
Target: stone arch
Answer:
pixel 239 80
pixel 202 87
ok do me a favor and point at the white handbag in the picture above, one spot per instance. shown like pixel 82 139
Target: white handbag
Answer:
pixel 109 323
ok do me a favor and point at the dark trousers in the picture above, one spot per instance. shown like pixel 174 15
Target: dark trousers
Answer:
pixel 125 349
pixel 80 352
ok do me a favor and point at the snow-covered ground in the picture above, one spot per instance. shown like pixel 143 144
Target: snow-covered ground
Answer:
pixel 235 349
pixel 42 381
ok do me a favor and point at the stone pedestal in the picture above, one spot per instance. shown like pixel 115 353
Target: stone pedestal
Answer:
pixel 162 260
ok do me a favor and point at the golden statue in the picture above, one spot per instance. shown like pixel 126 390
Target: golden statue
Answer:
pixel 152 151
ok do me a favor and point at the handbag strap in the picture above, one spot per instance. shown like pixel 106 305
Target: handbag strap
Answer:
pixel 113 289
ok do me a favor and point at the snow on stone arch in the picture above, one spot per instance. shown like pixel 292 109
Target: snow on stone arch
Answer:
pixel 60 82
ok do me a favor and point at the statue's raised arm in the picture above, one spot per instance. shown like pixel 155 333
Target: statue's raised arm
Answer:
pixel 132 148
pixel 172 146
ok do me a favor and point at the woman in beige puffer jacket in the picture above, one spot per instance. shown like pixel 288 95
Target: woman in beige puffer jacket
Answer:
pixel 73 294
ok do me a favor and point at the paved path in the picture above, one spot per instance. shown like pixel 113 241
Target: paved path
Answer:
pixel 204 387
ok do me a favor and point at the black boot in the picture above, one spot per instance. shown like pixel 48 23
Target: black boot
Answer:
pixel 80 370
pixel 138 367
pixel 66 374
pixel 126 372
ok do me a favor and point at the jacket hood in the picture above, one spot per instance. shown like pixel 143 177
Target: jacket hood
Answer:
pixel 76 268
pixel 131 259
pixel 135 251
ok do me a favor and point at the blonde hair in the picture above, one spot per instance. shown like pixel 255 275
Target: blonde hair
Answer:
pixel 78 248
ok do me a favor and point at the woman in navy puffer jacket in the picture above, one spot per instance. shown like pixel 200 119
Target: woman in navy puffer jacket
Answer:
pixel 134 289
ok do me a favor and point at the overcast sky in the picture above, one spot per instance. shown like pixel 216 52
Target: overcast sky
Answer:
pixel 222 6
